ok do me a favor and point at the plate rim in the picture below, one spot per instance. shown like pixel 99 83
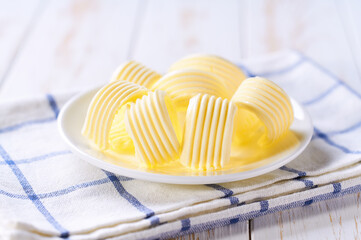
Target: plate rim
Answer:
pixel 177 179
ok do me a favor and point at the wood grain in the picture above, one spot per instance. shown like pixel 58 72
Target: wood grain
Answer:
pixel 172 29
pixel 349 12
pixel 238 231
pixel 311 27
pixel 331 219
pixel 75 45
pixel 16 20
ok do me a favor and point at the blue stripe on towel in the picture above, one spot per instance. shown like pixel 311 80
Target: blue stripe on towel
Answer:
pixel 67 190
pixel 233 220
pixel 322 95
pixel 288 169
pixel 336 187
pixel 38 158
pixel 284 70
pixel 253 214
pixel 233 200
pixel 154 220
pixel 53 104
pixel 73 188
pixel 241 203
pixel 344 149
pixel 264 205
pixel 308 202
pixel 31 194
pixel 130 198
pixel 24 124
pixel 329 73
pixel 287 69
pixel 346 130
pixel 308 183
pixel 227 193
pixel 14 195
pixel 186 224
pixel 54 108
pixel 246 71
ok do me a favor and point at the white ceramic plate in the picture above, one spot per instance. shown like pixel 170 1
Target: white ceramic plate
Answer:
pixel 72 116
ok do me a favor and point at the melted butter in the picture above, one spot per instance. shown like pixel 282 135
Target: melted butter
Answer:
pixel 250 145
pixel 244 157
pixel 253 154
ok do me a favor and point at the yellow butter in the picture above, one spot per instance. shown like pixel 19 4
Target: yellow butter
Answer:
pixel 133 71
pixel 186 118
pixel 231 75
pixel 208 133
pixel 104 106
pixel 268 102
pixel 119 140
pixel 150 126
pixel 184 84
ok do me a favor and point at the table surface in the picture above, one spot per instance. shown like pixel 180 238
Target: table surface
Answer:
pixel 61 46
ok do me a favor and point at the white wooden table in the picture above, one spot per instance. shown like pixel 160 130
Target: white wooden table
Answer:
pixel 61 46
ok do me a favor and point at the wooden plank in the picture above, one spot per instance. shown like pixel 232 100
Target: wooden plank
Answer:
pixel 16 19
pixel 76 45
pixel 172 29
pixel 312 27
pixel 238 231
pixel 349 12
pixel 331 219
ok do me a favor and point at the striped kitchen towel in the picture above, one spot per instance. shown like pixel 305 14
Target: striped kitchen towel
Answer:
pixel 46 192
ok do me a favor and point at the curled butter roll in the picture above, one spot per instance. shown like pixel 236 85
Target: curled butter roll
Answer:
pixel 150 126
pixel 182 85
pixel 208 133
pixel 104 106
pixel 230 73
pixel 135 72
pixel 268 102
pixel 119 140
